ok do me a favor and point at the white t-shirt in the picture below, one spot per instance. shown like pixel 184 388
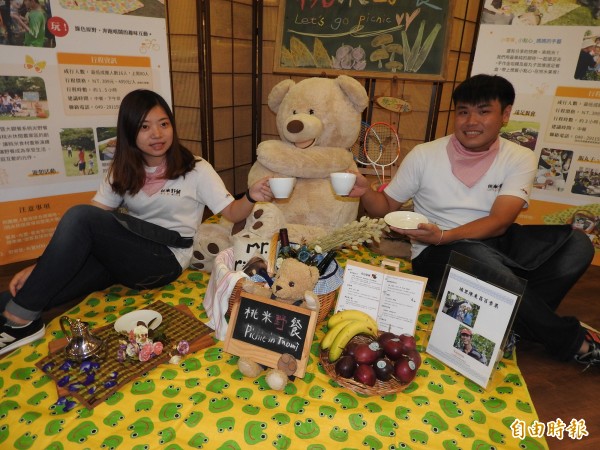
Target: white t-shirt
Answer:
pixel 426 176
pixel 178 206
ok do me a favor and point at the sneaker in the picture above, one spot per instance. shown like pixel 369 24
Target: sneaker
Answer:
pixel 12 338
pixel 592 357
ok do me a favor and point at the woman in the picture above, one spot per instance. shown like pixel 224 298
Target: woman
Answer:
pixel 158 181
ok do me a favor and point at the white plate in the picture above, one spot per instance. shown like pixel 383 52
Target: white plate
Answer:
pixel 129 321
pixel 406 220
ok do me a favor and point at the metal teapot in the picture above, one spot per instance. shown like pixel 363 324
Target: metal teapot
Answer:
pixel 82 344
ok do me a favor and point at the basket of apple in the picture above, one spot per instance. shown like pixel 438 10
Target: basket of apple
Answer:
pixel 379 364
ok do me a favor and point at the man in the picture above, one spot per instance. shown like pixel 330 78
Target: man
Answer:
pixel 466 346
pixel 585 61
pixel 471 186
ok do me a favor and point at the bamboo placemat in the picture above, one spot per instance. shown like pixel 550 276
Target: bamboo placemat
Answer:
pixel 109 374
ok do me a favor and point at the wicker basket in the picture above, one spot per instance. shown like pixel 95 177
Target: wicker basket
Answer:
pixel 392 386
pixel 326 300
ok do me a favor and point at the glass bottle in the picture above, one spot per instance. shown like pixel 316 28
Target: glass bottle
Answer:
pixel 324 264
pixel 285 249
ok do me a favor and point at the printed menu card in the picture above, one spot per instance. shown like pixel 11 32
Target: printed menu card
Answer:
pixel 391 297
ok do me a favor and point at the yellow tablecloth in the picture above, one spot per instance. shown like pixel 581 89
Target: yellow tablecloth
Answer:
pixel 204 402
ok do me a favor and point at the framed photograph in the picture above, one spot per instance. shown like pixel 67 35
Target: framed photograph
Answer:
pixel 365 39
pixel 474 318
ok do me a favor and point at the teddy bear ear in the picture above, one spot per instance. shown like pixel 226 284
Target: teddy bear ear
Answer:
pixel 355 92
pixel 278 93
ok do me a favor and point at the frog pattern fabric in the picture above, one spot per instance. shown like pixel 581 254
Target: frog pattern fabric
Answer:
pixel 204 402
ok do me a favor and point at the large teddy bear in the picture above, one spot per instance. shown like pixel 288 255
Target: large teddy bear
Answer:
pixel 318 120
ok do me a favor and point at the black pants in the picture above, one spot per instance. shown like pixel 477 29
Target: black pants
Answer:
pixel 90 251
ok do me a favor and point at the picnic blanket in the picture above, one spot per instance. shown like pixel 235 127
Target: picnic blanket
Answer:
pixel 205 402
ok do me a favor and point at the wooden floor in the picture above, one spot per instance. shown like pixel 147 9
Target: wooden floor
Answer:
pixel 559 390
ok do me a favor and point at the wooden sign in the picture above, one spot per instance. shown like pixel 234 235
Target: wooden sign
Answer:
pixel 263 329
pixel 393 104
pixel 375 39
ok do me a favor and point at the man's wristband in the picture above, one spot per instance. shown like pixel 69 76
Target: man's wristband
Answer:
pixel 441 237
pixel 250 199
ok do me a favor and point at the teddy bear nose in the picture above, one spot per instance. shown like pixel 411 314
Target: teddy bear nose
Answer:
pixel 295 126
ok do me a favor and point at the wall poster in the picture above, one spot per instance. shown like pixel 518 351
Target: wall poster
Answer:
pixel 377 39
pixel 66 65
pixel 550 51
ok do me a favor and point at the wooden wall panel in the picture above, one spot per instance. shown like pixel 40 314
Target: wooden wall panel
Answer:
pixel 184 53
pixel 242 120
pixel 242 150
pixel 221 50
pixel 242 57
pixel 223 154
pixel 223 120
pixel 182 17
pixel 186 88
pixel 222 93
pixel 188 123
pixel 242 21
pixel 221 18
pixel 241 93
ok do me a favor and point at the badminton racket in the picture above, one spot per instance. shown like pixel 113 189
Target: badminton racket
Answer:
pixel 358 148
pixel 381 147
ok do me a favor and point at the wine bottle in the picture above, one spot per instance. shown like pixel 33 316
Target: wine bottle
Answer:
pixel 285 249
pixel 324 264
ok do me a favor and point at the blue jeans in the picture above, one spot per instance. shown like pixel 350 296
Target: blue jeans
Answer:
pixel 90 251
pixel 551 258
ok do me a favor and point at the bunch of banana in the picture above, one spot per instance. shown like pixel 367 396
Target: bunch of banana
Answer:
pixel 343 326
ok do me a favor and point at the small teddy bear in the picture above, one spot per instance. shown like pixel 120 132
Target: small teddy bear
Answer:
pixel 294 285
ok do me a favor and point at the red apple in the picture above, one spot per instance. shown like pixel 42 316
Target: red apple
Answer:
pixel 383 337
pixel 365 374
pixel 415 356
pixel 408 341
pixel 345 366
pixel 367 353
pixel 405 370
pixel 350 347
pixel 393 348
pixel 383 369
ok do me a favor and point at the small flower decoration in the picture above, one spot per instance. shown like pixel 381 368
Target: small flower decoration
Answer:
pixel 183 347
pixel 146 352
pixel 142 344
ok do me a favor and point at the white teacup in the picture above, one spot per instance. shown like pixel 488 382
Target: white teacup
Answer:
pixel 282 187
pixel 342 182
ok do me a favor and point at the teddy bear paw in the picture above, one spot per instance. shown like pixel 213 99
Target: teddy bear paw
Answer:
pixel 312 300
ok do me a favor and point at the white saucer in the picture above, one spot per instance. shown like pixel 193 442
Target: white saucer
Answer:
pixel 129 321
pixel 406 220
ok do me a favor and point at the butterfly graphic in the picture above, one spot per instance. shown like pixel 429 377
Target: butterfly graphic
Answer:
pixel 30 63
